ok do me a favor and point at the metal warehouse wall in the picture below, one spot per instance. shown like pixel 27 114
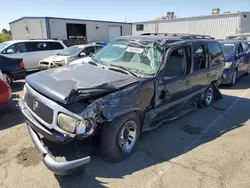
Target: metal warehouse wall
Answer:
pixel 36 29
pixel 245 22
pixel 217 26
pixel 58 29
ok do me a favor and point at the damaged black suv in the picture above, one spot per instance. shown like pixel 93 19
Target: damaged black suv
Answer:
pixel 132 85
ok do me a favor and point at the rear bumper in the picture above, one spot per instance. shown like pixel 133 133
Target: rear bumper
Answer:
pixel 34 127
pixel 19 74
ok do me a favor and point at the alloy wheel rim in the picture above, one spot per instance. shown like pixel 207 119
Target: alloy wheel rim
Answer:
pixel 209 96
pixel 127 136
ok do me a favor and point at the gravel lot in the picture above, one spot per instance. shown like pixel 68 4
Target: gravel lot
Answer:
pixel 212 151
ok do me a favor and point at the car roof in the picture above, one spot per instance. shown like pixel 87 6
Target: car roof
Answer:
pixel 164 39
pixel 229 41
pixel 43 40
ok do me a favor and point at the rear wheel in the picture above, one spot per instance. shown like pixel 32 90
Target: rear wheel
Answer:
pixel 119 137
pixel 208 96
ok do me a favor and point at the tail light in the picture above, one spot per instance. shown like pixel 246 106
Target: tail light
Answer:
pixel 22 64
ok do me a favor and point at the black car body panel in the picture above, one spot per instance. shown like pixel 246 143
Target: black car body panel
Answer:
pixel 12 66
pixel 100 94
pixel 78 82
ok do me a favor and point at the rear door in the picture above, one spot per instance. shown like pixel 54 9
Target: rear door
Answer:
pixel 173 88
pixel 199 72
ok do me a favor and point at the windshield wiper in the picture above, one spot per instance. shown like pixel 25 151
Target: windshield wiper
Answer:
pixel 124 68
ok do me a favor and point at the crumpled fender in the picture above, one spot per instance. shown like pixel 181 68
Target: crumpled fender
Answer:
pixel 136 97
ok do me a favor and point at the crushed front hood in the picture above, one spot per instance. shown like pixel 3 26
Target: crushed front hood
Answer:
pixel 72 83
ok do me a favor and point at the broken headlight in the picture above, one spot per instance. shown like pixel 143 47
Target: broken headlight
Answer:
pixel 72 125
pixel 228 64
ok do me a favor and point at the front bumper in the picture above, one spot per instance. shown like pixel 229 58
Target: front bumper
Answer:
pixel 34 127
pixel 227 77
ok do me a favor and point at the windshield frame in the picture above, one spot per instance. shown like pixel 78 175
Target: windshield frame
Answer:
pixel 71 47
pixel 128 42
pixel 222 44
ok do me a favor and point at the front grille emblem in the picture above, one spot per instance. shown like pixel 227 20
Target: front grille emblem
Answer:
pixel 35 105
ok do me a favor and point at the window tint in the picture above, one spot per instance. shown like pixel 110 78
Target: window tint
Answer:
pixel 215 53
pixel 37 46
pixel 98 47
pixel 55 46
pixel 178 63
pixel 199 57
pixel 139 27
pixel 16 48
pixel 89 50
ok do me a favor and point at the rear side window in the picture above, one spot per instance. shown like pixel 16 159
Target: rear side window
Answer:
pixel 89 50
pixel 200 60
pixel 37 46
pixel 55 46
pixel 215 53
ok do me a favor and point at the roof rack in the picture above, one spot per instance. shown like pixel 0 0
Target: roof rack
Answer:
pixel 181 35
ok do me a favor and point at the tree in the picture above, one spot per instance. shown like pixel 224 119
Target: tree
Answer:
pixel 5 31
pixel 4 37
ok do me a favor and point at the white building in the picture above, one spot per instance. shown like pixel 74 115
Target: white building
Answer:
pixel 218 25
pixel 66 28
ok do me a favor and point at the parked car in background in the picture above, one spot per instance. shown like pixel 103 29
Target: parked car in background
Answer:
pixel 31 51
pixel 12 68
pixel 237 57
pixel 68 55
pixel 84 59
pixel 133 84
pixel 5 91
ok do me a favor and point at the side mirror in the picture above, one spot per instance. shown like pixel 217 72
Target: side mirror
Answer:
pixel 242 54
pixel 82 54
pixel 10 51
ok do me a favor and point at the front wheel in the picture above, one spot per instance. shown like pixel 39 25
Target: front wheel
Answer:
pixel 119 137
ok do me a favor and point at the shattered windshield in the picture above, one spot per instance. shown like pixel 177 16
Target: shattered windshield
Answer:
pixel 139 57
pixel 70 51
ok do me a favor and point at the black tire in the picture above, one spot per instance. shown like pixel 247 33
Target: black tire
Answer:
pixel 207 97
pixel 234 77
pixel 110 145
pixel 8 77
